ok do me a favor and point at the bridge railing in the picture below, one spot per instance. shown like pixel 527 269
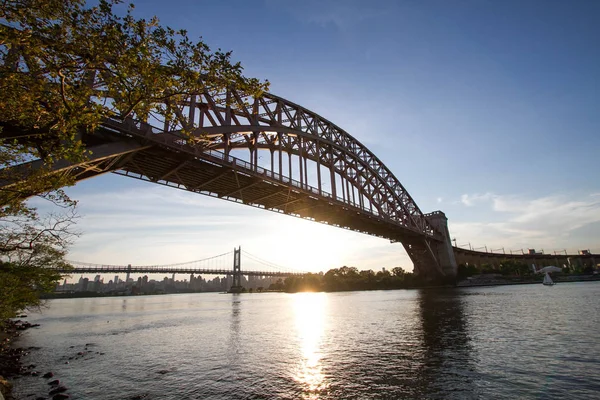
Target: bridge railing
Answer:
pixel 159 270
pixel 284 179
pixel 150 130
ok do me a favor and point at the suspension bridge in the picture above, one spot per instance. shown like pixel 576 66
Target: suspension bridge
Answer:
pixel 228 264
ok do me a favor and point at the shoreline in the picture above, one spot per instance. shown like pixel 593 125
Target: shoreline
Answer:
pixel 491 281
pixel 11 365
pixel 500 282
pixel 10 356
pixel 495 281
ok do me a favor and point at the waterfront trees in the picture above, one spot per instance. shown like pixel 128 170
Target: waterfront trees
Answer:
pixel 350 278
pixel 65 67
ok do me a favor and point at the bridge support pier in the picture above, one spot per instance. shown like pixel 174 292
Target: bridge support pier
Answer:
pixel 433 259
pixel 236 286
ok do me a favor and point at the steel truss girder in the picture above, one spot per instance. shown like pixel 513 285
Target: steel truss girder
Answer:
pixel 298 202
pixel 101 159
pixel 346 156
pixel 363 180
pixel 293 120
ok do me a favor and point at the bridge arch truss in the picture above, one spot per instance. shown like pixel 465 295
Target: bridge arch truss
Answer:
pixel 315 169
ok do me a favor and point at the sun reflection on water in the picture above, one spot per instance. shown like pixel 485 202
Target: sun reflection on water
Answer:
pixel 309 309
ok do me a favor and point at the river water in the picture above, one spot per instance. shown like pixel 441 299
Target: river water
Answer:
pixel 526 341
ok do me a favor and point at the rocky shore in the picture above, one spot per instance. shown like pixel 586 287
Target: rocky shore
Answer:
pixel 12 368
pixel 10 357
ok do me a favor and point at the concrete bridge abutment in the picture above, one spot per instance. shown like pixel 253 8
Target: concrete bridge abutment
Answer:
pixel 433 258
pixel 442 250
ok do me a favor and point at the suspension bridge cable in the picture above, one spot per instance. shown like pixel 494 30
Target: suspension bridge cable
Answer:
pixel 264 262
pixel 268 263
pixel 159 266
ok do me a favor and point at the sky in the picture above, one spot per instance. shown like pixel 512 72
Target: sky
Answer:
pixel 486 110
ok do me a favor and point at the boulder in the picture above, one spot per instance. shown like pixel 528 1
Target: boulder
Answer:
pixel 57 390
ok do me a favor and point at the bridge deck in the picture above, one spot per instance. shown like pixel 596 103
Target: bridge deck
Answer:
pixel 235 180
pixel 166 270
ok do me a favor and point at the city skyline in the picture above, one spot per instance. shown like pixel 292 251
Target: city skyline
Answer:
pixel 485 111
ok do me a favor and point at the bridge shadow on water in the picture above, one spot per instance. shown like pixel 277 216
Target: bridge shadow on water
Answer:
pixel 423 351
pixel 448 360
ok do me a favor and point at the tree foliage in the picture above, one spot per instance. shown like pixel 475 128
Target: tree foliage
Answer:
pixel 349 278
pixel 21 284
pixel 64 68
pixel 32 248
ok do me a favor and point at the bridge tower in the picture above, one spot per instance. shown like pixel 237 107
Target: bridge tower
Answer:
pixel 236 286
pixel 433 260
pixel 443 250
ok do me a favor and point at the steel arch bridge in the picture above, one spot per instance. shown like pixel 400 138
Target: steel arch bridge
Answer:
pixel 314 169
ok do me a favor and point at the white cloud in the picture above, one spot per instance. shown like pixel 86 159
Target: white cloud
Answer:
pixel 470 200
pixel 550 222
pixel 151 224
pixel 155 225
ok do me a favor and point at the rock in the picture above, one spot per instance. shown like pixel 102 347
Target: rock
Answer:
pixel 80 353
pixel 5 387
pixel 54 382
pixel 40 398
pixel 48 375
pixel 34 373
pixel 60 396
pixel 57 390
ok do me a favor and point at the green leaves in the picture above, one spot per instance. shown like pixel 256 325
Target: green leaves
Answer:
pixel 64 67
pixel 22 285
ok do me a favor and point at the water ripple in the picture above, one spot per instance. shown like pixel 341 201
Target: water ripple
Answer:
pixel 473 343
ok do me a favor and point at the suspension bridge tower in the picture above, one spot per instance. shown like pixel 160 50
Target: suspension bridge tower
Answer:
pixel 236 287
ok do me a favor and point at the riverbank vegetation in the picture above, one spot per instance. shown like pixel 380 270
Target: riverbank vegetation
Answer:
pixel 350 278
